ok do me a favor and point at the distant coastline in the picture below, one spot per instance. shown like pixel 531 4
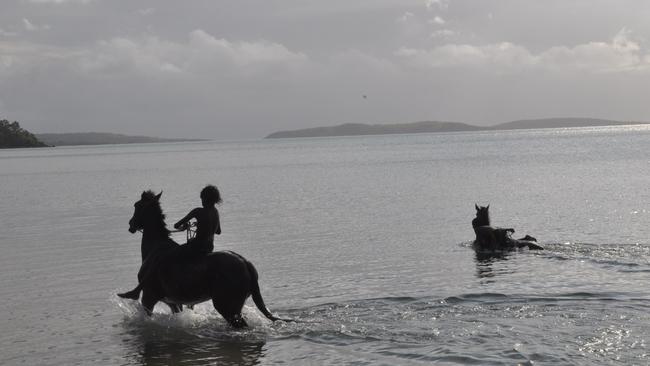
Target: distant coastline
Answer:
pixel 356 129
pixel 100 138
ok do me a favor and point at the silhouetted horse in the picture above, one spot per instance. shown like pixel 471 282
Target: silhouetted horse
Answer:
pixel 224 277
pixel 494 238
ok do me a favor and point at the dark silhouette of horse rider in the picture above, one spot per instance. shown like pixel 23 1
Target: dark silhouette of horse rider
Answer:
pixel 207 224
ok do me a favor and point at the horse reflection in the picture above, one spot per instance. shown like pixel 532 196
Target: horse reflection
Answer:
pixel 486 260
pixel 158 347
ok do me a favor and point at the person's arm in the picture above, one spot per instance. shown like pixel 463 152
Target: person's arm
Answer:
pixel 184 220
pixel 217 230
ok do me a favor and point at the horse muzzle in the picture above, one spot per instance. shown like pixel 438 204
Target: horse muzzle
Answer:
pixel 132 228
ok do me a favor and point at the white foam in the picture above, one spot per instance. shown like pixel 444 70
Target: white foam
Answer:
pixel 202 315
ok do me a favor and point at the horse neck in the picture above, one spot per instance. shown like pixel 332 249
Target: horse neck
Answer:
pixel 481 220
pixel 152 240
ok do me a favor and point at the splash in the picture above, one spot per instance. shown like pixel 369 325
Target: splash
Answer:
pixel 203 321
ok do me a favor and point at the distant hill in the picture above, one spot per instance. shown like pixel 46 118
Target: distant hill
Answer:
pixel 12 136
pixel 352 129
pixel 561 123
pixel 98 138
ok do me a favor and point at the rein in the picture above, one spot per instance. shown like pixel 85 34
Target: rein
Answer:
pixel 190 230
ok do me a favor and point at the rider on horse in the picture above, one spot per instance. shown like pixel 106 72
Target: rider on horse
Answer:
pixel 207 224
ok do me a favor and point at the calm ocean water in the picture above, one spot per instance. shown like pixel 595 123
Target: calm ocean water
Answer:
pixel 366 240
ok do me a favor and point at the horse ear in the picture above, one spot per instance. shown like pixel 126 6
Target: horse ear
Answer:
pixel 158 196
pixel 475 205
pixel 487 207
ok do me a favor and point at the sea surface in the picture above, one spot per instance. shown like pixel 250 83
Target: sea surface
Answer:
pixel 365 240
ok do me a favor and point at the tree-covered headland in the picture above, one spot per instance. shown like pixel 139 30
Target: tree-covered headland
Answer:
pixel 12 135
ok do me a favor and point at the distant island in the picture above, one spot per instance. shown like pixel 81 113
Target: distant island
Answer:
pixel 13 136
pixel 99 138
pixel 356 129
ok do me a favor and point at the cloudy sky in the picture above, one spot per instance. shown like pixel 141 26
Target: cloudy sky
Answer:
pixel 242 69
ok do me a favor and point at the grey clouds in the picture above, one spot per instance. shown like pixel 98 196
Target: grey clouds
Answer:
pixel 243 69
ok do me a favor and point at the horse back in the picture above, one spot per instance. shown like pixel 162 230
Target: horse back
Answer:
pixel 484 231
pixel 226 261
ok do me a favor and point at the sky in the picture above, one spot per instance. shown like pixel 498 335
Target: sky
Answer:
pixel 242 69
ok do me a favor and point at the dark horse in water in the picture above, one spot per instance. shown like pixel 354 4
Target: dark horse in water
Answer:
pixel 490 238
pixel 224 277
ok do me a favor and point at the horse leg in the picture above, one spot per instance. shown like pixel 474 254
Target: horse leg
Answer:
pixel 237 321
pixel 230 309
pixel 149 300
pixel 175 308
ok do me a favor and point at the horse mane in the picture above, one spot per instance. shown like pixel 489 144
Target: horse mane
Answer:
pixel 158 217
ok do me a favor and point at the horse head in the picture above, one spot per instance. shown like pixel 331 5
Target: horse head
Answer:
pixel 482 216
pixel 148 214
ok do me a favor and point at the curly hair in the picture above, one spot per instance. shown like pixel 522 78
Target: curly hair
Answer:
pixel 211 194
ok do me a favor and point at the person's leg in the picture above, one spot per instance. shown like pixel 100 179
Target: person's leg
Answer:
pixel 147 271
pixel 133 294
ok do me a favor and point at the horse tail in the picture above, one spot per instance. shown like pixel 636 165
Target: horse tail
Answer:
pixel 533 246
pixel 257 296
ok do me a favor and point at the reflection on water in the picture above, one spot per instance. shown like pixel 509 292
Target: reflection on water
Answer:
pixel 193 337
pixel 152 344
pixel 485 264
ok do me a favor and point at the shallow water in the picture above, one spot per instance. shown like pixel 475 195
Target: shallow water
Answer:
pixel 365 240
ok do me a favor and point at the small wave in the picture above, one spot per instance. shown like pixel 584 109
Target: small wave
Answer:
pixel 480 297
pixel 645 270
pixel 620 257
pixel 488 298
pixel 399 330
pixel 436 329
pixel 626 258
